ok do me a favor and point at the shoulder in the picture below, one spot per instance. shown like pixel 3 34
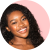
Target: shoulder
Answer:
pixel 30 46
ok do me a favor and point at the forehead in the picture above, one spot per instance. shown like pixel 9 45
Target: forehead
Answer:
pixel 15 14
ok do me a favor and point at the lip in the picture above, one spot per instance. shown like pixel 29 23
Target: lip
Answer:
pixel 24 31
pixel 21 28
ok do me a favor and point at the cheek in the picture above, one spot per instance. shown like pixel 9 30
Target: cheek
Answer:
pixel 12 28
pixel 26 23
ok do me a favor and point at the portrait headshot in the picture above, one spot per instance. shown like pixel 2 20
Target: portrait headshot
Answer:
pixel 19 27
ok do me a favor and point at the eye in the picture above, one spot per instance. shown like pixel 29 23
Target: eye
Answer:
pixel 24 18
pixel 14 22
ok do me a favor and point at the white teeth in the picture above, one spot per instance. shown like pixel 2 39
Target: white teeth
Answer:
pixel 22 29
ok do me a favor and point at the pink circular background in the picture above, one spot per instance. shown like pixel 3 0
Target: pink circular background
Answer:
pixel 39 14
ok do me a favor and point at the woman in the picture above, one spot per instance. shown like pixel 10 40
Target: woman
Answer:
pixel 19 27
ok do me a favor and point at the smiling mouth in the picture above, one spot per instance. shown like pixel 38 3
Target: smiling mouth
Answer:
pixel 23 30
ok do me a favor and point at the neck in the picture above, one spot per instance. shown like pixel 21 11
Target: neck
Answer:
pixel 20 41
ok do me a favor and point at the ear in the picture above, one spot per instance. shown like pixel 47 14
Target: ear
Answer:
pixel 7 29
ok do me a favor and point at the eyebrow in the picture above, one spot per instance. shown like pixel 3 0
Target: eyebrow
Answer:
pixel 14 19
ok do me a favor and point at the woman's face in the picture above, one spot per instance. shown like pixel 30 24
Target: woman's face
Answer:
pixel 18 24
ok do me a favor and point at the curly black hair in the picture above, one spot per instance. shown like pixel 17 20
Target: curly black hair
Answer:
pixel 34 32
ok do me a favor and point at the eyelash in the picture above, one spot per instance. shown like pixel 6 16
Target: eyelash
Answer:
pixel 16 22
pixel 24 19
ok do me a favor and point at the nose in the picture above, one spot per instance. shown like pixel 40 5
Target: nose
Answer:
pixel 21 24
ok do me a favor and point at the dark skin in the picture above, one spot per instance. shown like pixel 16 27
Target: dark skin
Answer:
pixel 19 26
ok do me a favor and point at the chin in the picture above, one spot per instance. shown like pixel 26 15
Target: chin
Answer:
pixel 24 36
